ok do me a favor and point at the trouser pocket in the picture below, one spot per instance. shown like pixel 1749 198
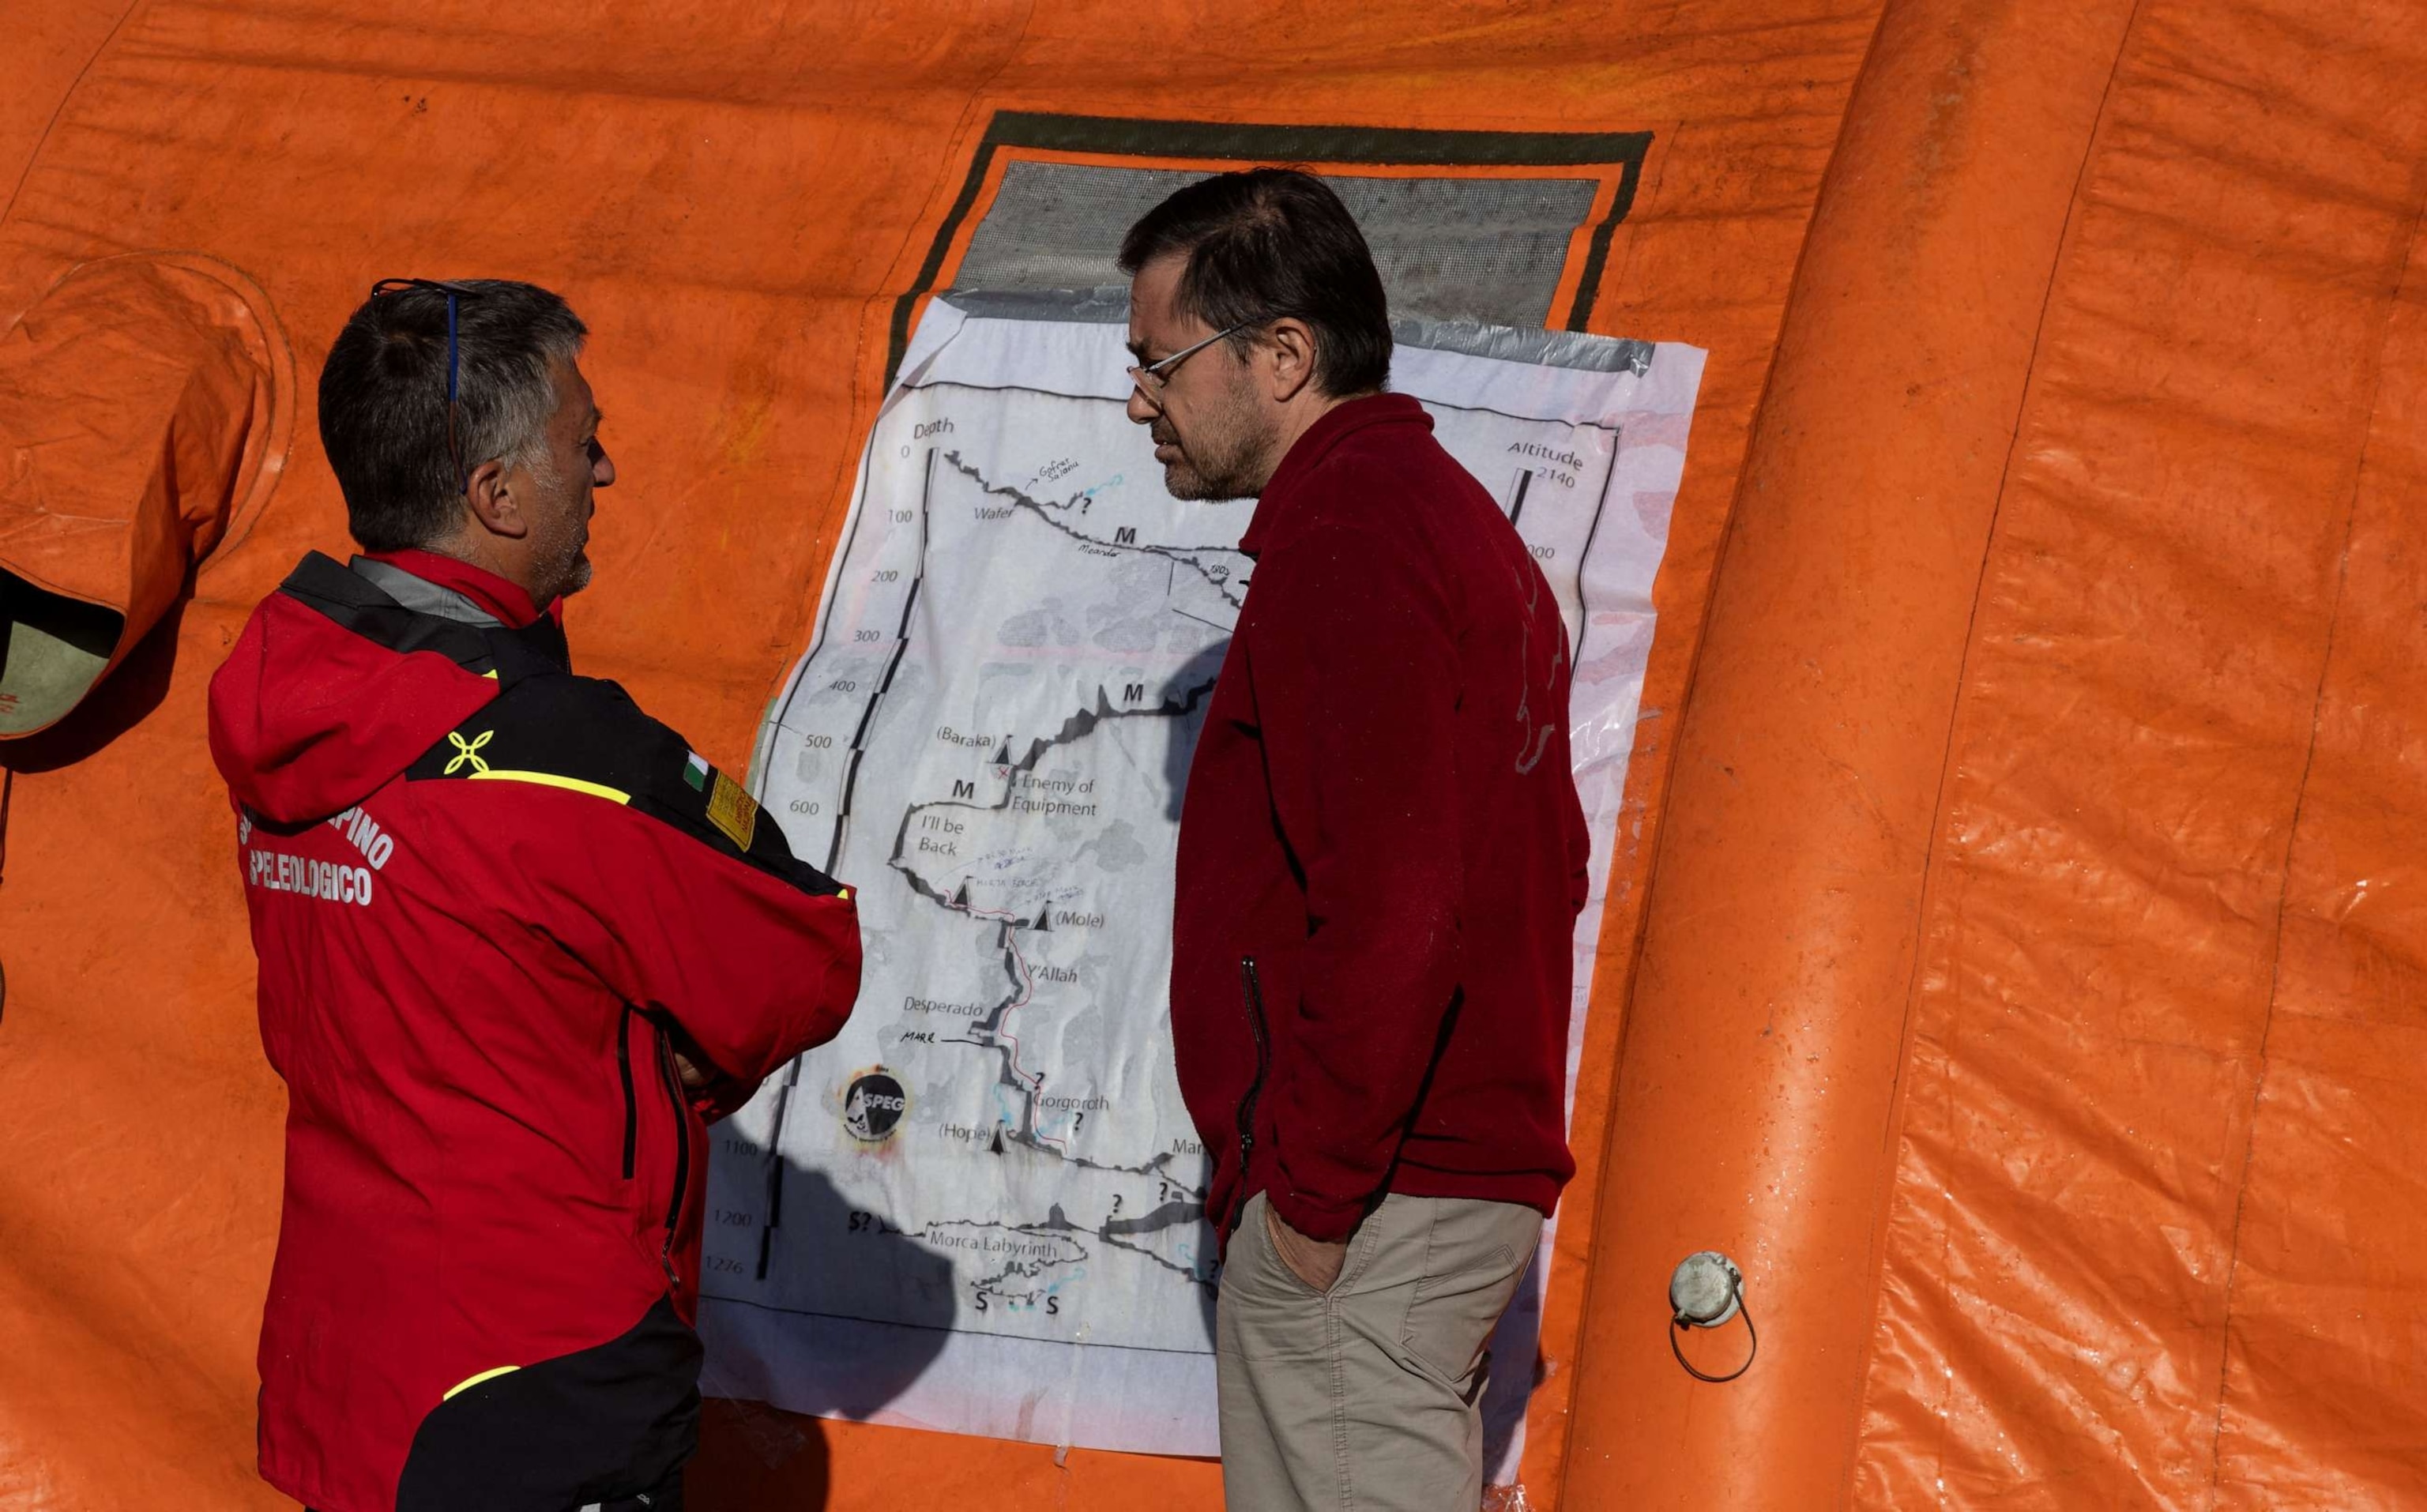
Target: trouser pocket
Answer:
pixel 1476 1254
pixel 1265 1312
pixel 1360 1251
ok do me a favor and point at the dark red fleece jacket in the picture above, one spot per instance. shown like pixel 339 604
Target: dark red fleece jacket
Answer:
pixel 1381 853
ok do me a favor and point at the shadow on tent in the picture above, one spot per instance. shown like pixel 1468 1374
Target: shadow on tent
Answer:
pixel 753 1454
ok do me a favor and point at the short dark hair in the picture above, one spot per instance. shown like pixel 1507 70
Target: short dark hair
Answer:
pixel 1268 242
pixel 384 400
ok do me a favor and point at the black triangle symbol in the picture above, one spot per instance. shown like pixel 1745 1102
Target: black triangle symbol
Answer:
pixel 998 1139
pixel 1043 920
pixel 1002 758
pixel 961 896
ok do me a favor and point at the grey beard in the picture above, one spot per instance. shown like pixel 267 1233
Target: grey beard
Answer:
pixel 1186 482
pixel 560 565
pixel 566 568
pixel 1239 473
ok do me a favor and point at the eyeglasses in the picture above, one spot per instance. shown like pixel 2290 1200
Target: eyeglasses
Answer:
pixel 1151 377
pixel 453 292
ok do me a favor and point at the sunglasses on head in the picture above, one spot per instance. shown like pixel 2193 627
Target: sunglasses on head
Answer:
pixel 453 292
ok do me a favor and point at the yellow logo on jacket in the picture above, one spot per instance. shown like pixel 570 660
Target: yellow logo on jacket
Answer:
pixel 468 751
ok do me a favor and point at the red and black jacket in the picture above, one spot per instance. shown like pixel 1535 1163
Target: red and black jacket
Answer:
pixel 491 900
pixel 1381 850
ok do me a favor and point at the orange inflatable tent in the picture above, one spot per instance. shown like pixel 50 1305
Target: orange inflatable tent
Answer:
pixel 2016 955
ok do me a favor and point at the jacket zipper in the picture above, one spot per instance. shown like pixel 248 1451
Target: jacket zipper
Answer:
pixel 631 1102
pixel 1253 992
pixel 682 1154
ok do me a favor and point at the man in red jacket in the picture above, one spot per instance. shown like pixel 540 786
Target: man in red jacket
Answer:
pixel 518 943
pixel 1381 858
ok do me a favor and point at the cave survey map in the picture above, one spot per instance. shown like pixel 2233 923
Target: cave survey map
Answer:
pixel 980 1208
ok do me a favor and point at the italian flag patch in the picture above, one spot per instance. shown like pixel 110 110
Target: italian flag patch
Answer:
pixel 696 773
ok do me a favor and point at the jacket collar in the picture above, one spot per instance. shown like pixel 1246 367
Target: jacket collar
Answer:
pixel 487 592
pixel 1336 424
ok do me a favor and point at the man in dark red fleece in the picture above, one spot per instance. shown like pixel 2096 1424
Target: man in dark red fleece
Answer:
pixel 1381 858
pixel 518 943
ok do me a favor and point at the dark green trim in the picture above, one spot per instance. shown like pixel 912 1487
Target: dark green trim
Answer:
pixel 1396 146
pixel 1597 250
pixel 1324 145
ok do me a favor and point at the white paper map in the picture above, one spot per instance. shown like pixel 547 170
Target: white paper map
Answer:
pixel 980 1208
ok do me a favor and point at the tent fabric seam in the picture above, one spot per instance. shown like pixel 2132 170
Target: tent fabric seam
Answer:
pixel 2410 258
pixel 1561 1455
pixel 1892 1139
pixel 61 111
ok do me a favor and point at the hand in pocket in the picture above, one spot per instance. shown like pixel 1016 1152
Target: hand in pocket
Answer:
pixel 1311 1260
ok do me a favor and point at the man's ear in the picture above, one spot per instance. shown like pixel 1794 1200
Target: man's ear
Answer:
pixel 490 500
pixel 1288 348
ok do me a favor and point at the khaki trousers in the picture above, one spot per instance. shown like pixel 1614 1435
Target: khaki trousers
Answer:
pixel 1364 1397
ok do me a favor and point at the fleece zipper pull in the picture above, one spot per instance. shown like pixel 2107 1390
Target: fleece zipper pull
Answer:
pixel 1252 991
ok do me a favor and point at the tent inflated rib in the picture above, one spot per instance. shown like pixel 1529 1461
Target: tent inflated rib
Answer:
pixel 2013 959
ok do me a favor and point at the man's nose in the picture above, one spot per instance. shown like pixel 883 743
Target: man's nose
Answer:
pixel 1140 411
pixel 602 470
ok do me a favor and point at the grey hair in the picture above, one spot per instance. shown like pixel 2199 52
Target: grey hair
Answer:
pixel 383 410
pixel 516 432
